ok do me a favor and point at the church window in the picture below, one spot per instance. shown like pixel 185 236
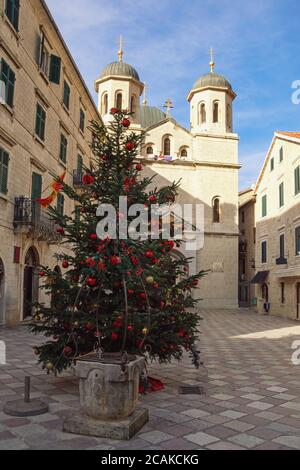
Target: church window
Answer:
pixel 216 211
pixel 150 150
pixel 119 101
pixel 202 113
pixel 167 146
pixel 184 153
pixel 229 125
pixel 132 104
pixel 216 112
pixel 105 104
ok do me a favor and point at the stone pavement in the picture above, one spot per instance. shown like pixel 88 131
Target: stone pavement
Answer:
pixel 251 394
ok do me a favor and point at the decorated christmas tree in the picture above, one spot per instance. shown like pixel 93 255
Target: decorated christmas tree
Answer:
pixel 127 295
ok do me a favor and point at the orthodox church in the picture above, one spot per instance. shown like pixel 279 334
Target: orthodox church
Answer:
pixel 204 158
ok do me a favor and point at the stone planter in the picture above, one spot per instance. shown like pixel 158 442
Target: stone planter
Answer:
pixel 108 399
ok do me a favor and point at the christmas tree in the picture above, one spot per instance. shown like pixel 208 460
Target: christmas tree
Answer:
pixel 130 295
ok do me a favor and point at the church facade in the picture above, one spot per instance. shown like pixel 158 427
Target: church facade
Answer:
pixel 204 158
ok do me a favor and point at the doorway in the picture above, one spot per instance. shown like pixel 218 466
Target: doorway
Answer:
pixel 31 282
pixel 298 300
pixel 2 293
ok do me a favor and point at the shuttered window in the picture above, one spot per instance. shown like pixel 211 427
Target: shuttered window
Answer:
pixel 54 71
pixel 4 160
pixel 264 252
pixel 63 148
pixel 40 122
pixel 264 206
pixel 282 246
pixel 82 120
pixel 66 97
pixel 281 195
pixel 297 180
pixel 60 204
pixel 8 77
pixel 12 10
pixel 36 187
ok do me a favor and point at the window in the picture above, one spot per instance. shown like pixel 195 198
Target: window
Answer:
pixel 272 164
pixel 40 122
pixel 216 211
pixel 150 151
pixel 264 252
pixel 229 123
pixel 282 246
pixel 36 186
pixel 60 204
pixel 79 164
pixel 49 64
pixel 215 112
pixel 105 104
pixel 184 153
pixel 167 146
pixel 12 10
pixel 297 240
pixel 282 289
pixel 281 195
pixel 264 206
pixel 63 148
pixel 243 217
pixel 4 159
pixel 119 101
pixel 9 78
pixel 202 113
pixel 82 120
pixel 281 155
pixel 66 97
pixel 297 180
pixel 54 70
pixel 132 104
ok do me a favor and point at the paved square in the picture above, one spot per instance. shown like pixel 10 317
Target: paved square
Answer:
pixel 251 394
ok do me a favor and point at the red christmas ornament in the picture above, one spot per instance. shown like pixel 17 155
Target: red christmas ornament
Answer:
pixel 88 179
pixel 126 123
pixel 42 274
pixel 195 282
pixel 67 351
pixel 101 266
pixel 134 260
pixel 104 158
pixel 149 254
pixel 152 198
pixel 114 111
pixel 130 292
pixel 139 167
pixel 92 282
pixel 143 296
pixel 88 326
pixel 130 328
pixel 130 146
pixel 182 333
pixel 117 324
pixel 115 260
pixel 93 236
pixel 65 264
pixel 114 336
pixel 60 230
pixel 90 262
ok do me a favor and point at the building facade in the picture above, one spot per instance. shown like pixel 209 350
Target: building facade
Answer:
pixel 44 114
pixel 277 279
pixel 247 248
pixel 204 158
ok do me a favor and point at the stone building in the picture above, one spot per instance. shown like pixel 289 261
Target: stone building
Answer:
pixel 44 113
pixel 247 247
pixel 204 158
pixel 277 279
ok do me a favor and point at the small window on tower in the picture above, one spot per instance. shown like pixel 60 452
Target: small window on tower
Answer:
pixel 150 151
pixel 105 104
pixel 216 112
pixel 132 104
pixel 119 101
pixel 216 211
pixel 184 153
pixel 202 113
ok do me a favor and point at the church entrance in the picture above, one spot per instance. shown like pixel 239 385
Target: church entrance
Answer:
pixel 31 282
pixel 2 293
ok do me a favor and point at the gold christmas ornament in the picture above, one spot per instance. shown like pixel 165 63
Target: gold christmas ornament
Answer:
pixel 49 366
pixel 145 331
pixel 150 280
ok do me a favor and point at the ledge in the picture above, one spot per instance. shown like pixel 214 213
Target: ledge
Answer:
pixel 42 97
pixel 7 138
pixel 190 163
pixel 40 141
pixel 64 126
pixel 8 109
pixel 38 164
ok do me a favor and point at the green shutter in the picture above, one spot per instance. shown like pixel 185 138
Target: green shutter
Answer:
pixel 63 148
pixel 66 98
pixel 82 120
pixel 36 189
pixel 4 159
pixel 264 206
pixel 55 66
pixel 8 77
pixel 40 122
pixel 12 12
pixel 281 195
pixel 60 204
pixel 79 164
pixel 297 180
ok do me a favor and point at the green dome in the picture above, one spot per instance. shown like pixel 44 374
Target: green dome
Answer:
pixel 151 116
pixel 212 79
pixel 120 69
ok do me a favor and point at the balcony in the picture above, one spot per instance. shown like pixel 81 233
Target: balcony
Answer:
pixel 31 219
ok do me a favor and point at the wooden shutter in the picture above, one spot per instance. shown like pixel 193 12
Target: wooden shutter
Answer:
pixel 79 164
pixel 36 189
pixel 60 204
pixel 55 66
pixel 297 180
pixel 4 159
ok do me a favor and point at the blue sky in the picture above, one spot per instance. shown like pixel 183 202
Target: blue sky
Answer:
pixel 167 41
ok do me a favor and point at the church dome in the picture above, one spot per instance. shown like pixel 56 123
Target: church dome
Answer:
pixel 212 79
pixel 150 115
pixel 120 69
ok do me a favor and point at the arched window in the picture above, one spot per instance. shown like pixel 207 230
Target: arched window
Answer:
pixel 229 124
pixel 119 101
pixel 105 104
pixel 216 112
pixel 149 150
pixel 202 113
pixel 167 146
pixel 132 104
pixel 184 153
pixel 216 211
